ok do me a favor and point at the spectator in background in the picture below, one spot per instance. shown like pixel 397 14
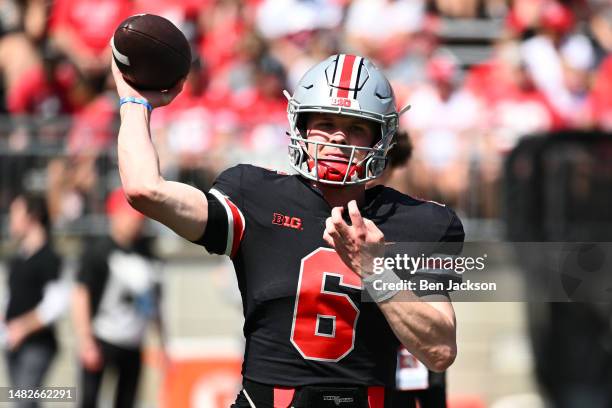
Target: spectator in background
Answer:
pixel 36 296
pixel 457 8
pixel 43 90
pixel 81 30
pixel 600 31
pixel 470 8
pixel 558 60
pixel 262 109
pixel 72 178
pixel 299 33
pixel 411 70
pixel 235 76
pixel 185 133
pixel 519 107
pixel 547 29
pixel 22 28
pixel 577 61
pixel 514 107
pixel 383 29
pixel 38 96
pixel 442 145
pixel 221 27
pixel 28 17
pixel 182 13
pixel 116 297
pixel 263 101
pixel 41 101
pixel 17 55
pixel 93 127
pixel 600 99
pixel 39 88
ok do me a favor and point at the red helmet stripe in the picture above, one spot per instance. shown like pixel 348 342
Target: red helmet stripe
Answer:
pixel 345 76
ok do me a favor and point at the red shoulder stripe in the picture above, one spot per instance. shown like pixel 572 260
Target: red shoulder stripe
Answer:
pixel 238 227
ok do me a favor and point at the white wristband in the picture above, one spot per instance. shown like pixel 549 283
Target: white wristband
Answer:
pixel 382 286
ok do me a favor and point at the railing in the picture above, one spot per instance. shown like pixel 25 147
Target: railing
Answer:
pixel 538 205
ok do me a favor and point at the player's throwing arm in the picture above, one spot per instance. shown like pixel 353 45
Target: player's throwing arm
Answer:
pixel 179 206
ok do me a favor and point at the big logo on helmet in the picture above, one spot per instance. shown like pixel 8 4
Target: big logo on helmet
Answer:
pixel 345 102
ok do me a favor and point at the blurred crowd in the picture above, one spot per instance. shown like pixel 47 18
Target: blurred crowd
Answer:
pixel 548 70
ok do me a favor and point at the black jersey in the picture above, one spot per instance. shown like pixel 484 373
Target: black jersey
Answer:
pixel 27 279
pixel 305 322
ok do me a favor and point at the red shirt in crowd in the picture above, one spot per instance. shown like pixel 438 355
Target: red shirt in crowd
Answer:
pixel 500 89
pixel 95 21
pixel 600 100
pixel 94 127
pixel 37 93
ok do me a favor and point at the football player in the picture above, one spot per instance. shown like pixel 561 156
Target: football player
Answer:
pixel 303 244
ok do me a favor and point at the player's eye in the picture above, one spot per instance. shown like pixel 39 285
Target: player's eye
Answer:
pixel 358 129
pixel 324 125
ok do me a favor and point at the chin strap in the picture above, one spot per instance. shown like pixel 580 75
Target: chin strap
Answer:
pixel 335 170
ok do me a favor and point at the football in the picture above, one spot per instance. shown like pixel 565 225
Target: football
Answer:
pixel 151 52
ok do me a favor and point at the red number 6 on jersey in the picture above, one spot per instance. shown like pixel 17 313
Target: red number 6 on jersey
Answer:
pixel 323 321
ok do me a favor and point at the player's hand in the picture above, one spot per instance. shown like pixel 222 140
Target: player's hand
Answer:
pixel 15 334
pixel 90 355
pixel 357 244
pixel 155 98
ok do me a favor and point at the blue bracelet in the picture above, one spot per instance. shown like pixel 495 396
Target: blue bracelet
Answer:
pixel 132 99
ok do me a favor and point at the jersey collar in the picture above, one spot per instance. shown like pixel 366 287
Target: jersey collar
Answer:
pixel 319 202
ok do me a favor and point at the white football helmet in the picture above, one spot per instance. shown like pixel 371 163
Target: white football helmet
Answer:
pixel 345 85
